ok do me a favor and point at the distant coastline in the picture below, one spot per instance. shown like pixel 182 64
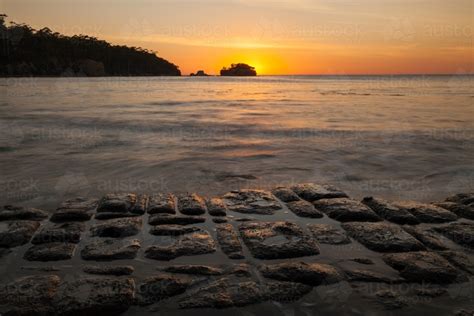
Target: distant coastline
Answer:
pixel 28 52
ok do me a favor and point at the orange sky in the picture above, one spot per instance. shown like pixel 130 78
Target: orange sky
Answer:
pixel 275 36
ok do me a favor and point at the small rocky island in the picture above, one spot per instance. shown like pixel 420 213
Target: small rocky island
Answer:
pixel 305 248
pixel 239 70
pixel 199 73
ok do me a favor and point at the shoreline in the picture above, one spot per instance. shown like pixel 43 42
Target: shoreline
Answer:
pixel 244 250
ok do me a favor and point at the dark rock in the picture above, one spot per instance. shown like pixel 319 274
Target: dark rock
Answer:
pixel 462 198
pixel 240 270
pixel 123 203
pixel 464 312
pixel 75 210
pixel 62 232
pixel 346 210
pixel 359 275
pixel 461 210
pixel 219 220
pixel 216 207
pixel 390 299
pixel 229 241
pixel 55 251
pixel 285 194
pixel 111 249
pixel 304 209
pixel 196 243
pixel 109 270
pixel 460 233
pixel 382 237
pixel 422 266
pixel 194 269
pixel 191 204
pixel 427 237
pixel 390 212
pixel 252 202
pixel 32 295
pixel 159 287
pixel 224 293
pixel 162 203
pixel 13 234
pixel 167 219
pixel 327 234
pixel 286 292
pixel 101 296
pixel 118 228
pixel 366 261
pixel 427 213
pixel 430 291
pixel 312 192
pixel 459 260
pixel 10 213
pixel 172 230
pixel 277 240
pixel 313 274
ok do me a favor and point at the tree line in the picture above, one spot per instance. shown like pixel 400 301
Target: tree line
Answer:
pixel 28 52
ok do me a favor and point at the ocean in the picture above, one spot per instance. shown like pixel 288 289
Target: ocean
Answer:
pixel 396 137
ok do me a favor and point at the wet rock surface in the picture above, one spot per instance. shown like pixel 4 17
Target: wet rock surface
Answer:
pixel 32 295
pixel 159 287
pixel 85 264
pixel 216 207
pixel 346 210
pixel 78 209
pixel 390 212
pixel 285 194
pixel 422 266
pixel 311 274
pixel 383 237
pixel 14 234
pixel 191 204
pixel 50 252
pixel 111 249
pixel 327 234
pixel 277 240
pixel 121 205
pixel 252 202
pixel 104 296
pixel 461 210
pixel 304 209
pixel 62 232
pixel 162 203
pixel 461 233
pixel 195 243
pixel 427 213
pixel 427 237
pixel 10 213
pixel 312 192
pixel 229 241
pixel 117 228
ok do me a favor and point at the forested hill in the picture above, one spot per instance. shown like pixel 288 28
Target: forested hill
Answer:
pixel 29 52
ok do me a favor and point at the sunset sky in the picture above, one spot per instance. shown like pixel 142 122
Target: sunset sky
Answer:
pixel 275 36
